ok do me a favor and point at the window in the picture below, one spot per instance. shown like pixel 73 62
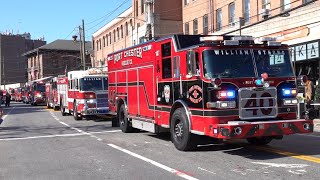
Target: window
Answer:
pixel 142 6
pixel 195 26
pixel 266 4
pixel 306 1
pixel 121 31
pixel 285 5
pixel 110 37
pixel 104 41
pixel 219 20
pixel 114 35
pixel 205 24
pixel 137 9
pixel 118 33
pixel 186 2
pixel 127 30
pixel 166 49
pixel 176 67
pixel 97 45
pixel 93 47
pixel 231 14
pixel 246 11
pixel 166 68
pixel 186 28
pixel 107 40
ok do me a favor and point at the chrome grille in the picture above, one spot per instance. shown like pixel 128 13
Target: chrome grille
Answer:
pixel 258 103
pixel 102 100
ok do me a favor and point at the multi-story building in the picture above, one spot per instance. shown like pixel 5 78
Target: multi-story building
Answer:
pixel 293 22
pixel 13 64
pixel 55 59
pixel 144 20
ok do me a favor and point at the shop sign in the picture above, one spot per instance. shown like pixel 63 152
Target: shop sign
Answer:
pixel 301 52
pixel 313 50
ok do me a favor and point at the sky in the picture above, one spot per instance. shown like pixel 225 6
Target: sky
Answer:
pixel 58 19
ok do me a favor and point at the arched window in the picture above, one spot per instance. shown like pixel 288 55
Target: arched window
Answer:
pixel 104 41
pixel 121 31
pixel 97 45
pixel 127 30
pixel 100 43
pixel 118 33
pixel 110 37
pixel 114 35
pixel 93 45
pixel 107 40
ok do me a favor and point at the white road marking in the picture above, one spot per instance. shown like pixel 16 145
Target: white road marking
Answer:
pixel 39 137
pixel 278 165
pixel 174 171
pixel 5 116
pixel 171 170
pixel 202 169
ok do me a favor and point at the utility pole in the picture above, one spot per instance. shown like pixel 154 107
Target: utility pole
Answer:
pixel 83 46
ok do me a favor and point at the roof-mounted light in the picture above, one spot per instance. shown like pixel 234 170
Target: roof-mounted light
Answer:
pixel 273 43
pixel 211 38
pixel 231 42
pixel 243 38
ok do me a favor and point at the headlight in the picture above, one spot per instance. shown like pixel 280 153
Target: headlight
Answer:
pixel 39 95
pixel 289 92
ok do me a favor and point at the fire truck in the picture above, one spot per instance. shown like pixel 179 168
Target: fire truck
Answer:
pixel 52 94
pixel 224 87
pixel 18 94
pixel 37 91
pixel 84 94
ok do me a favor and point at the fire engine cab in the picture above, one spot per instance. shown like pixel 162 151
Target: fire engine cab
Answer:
pixel 52 94
pixel 37 91
pixel 225 87
pixel 85 94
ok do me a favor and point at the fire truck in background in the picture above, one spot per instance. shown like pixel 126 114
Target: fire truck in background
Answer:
pixel 52 94
pixel 25 93
pixel 225 87
pixel 37 91
pixel 85 93
pixel 18 94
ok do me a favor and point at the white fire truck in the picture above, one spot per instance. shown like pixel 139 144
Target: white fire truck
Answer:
pixel 84 93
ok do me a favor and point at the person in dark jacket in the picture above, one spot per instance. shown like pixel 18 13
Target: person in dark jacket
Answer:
pixel 8 99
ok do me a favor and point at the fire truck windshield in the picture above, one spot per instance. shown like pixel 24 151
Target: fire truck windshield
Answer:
pixel 91 84
pixel 240 63
pixel 41 88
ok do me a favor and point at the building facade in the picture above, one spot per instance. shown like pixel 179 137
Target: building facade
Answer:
pixel 55 59
pixel 13 64
pixel 144 20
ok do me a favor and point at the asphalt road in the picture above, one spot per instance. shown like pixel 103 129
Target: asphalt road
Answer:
pixel 37 143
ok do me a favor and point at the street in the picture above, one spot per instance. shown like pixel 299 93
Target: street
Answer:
pixel 39 143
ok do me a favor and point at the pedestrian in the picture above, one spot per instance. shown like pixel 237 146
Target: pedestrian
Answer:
pixel 8 99
pixel 1 97
pixel 309 93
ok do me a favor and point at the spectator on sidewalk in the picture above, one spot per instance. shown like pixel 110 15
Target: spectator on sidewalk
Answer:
pixel 309 93
pixel 8 99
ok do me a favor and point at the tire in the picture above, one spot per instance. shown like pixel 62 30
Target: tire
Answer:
pixel 115 122
pixel 48 106
pixel 259 140
pixel 181 136
pixel 76 115
pixel 124 121
pixel 55 108
pixel 62 110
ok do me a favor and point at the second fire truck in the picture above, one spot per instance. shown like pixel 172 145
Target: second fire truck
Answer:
pixel 84 93
pixel 225 87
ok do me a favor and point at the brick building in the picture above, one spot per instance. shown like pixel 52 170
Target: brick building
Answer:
pixel 13 64
pixel 145 20
pixel 55 59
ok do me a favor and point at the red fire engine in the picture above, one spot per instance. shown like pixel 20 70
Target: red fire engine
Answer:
pixel 225 87
pixel 52 94
pixel 37 91
pixel 84 94
pixel 18 94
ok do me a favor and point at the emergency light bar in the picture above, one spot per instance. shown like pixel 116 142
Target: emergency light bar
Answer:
pixel 243 38
pixel 211 38
pixel 227 94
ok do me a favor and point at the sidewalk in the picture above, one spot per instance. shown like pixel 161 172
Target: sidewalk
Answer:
pixel 316 125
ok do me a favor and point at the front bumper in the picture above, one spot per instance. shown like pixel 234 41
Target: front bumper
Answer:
pixel 95 111
pixel 246 129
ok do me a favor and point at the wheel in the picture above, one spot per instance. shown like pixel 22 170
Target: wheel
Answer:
pixel 115 122
pixel 55 108
pixel 181 136
pixel 76 115
pixel 259 140
pixel 124 121
pixel 62 110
